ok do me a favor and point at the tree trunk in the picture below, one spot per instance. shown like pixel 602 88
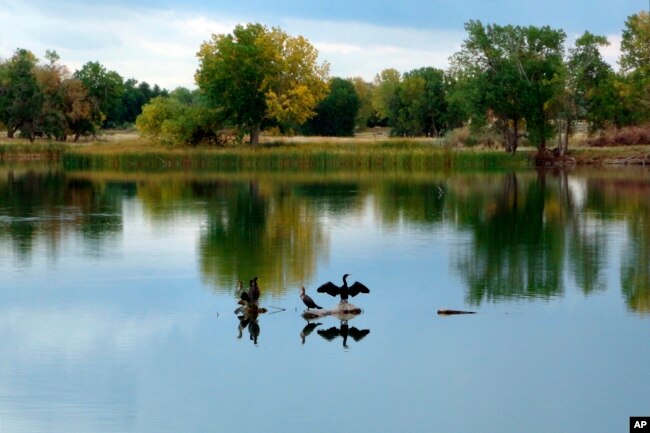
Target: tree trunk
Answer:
pixel 507 136
pixel 255 134
pixel 515 133
pixel 565 141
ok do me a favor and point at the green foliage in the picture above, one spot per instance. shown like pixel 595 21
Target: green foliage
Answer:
pixel 366 116
pixel 105 90
pixel 21 99
pixel 589 83
pixel 255 74
pixel 420 105
pixel 133 97
pixel 336 114
pixel 635 66
pixel 512 73
pixel 158 111
pixel 171 121
pixel 43 99
pixel 386 83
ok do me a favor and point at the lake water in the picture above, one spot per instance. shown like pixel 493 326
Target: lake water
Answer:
pixel 118 297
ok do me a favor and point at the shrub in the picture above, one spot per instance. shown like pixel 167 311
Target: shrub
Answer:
pixel 630 136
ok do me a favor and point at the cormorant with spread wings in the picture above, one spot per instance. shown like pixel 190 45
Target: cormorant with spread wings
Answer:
pixel 344 291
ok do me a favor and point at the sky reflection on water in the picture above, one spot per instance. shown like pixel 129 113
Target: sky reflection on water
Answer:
pixel 117 299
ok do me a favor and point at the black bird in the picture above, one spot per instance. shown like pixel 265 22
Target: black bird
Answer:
pixel 254 291
pixel 309 302
pixel 333 290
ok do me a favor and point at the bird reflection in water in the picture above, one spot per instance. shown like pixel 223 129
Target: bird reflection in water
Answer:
pixel 248 319
pixel 249 311
pixel 344 312
pixel 307 330
pixel 343 331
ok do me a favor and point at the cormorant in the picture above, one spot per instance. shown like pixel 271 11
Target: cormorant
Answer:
pixel 334 290
pixel 309 302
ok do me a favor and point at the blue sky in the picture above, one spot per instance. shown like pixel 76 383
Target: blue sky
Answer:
pixel 156 40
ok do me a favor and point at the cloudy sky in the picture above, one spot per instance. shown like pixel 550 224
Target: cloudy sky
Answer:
pixel 156 40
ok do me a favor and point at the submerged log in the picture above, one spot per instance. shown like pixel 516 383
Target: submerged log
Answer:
pixel 445 312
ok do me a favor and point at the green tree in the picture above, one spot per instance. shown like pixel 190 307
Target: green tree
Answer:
pixel 511 73
pixel 588 91
pixel 105 90
pixel 134 96
pixel 635 65
pixel 367 116
pixel 257 74
pixel 21 98
pixel 171 120
pixel 337 113
pixel 154 115
pixel 420 104
pixel 383 98
pixel 591 79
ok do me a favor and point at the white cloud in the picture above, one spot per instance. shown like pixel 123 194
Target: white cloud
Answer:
pixel 612 52
pixel 76 333
pixel 357 49
pixel 159 46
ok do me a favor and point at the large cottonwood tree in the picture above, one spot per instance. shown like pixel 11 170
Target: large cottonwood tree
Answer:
pixel 512 73
pixel 256 73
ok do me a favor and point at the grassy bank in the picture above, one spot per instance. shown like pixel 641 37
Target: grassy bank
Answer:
pixel 25 151
pixel 295 155
pixel 322 156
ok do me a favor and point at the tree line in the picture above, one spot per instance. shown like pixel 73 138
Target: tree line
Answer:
pixel 517 81
pixel 42 98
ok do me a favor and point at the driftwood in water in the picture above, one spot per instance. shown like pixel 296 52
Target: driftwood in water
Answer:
pixel 342 311
pixel 445 312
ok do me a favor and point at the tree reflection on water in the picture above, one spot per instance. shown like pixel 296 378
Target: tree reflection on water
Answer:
pixel 530 233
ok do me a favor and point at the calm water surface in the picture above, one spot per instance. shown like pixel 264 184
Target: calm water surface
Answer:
pixel 118 291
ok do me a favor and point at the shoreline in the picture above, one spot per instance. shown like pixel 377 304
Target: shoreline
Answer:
pixel 302 155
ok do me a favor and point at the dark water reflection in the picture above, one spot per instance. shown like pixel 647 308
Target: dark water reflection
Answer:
pixel 118 291
pixel 528 232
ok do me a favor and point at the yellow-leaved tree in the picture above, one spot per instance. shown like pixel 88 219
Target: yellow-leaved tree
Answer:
pixel 256 73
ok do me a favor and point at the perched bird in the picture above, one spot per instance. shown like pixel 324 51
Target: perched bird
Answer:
pixel 254 291
pixel 334 290
pixel 309 302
